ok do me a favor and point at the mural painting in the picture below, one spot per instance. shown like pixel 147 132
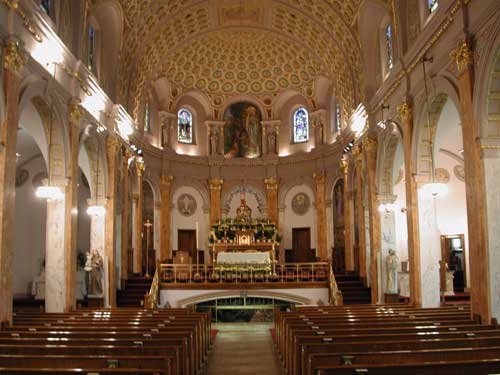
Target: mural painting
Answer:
pixel 242 131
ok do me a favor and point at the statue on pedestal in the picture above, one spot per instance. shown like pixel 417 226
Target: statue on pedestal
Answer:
pixel 392 265
pixel 94 268
pixel 214 142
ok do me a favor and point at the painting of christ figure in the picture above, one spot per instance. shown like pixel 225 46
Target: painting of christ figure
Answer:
pixel 242 131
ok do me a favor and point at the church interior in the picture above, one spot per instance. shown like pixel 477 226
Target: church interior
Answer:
pixel 211 187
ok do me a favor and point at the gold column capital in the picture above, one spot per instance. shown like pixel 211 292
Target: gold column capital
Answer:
pixel 405 111
pixel 344 165
pixel 165 181
pixel 75 111
pixel 271 183
pixel 462 56
pixel 14 59
pixel 358 154
pixel 141 167
pixel 215 183
pixel 113 144
pixel 319 178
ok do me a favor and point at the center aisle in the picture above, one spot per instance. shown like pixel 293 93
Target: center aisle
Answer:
pixel 243 348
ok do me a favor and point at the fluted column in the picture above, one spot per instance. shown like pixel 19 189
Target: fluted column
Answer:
pixel 272 199
pixel 71 206
pixel 138 224
pixel 13 60
pixel 360 211
pixel 165 240
pixel 370 148
pixel 215 199
pixel 348 222
pixel 322 252
pixel 125 245
pixel 112 149
pixel 412 220
pixel 484 289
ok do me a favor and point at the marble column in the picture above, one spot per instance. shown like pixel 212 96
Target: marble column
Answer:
pixel 125 244
pixel 348 219
pixel 215 185
pixel 370 151
pixel 360 210
pixel 405 113
pixel 112 149
pixel 272 199
pixel 165 237
pixel 484 287
pixel 321 251
pixel 13 60
pixel 138 224
pixel 71 226
pixel 55 267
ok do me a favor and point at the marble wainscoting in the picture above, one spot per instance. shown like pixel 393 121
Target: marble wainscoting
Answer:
pixel 55 269
pixel 492 179
pixel 430 251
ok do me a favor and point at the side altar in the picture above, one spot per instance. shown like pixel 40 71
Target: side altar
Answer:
pixel 243 243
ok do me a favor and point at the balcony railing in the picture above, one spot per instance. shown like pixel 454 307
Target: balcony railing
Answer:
pixel 245 273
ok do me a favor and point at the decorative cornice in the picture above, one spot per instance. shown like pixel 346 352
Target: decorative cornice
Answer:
pixel 14 59
pixel 463 56
pixel 75 112
pixel 141 167
pixel 165 181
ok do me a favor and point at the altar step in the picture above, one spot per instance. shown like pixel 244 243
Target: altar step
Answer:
pixel 133 294
pixel 353 289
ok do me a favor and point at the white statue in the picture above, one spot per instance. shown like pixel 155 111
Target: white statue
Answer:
pixel 392 265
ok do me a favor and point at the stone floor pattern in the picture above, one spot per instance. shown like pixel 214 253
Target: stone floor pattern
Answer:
pixel 243 348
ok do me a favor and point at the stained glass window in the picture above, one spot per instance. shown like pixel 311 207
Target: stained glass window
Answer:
pixel 146 118
pixel 338 118
pixel 185 126
pixel 388 36
pixel 91 48
pixel 45 5
pixel 433 5
pixel 300 126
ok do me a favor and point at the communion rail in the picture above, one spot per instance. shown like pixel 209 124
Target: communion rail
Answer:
pixel 245 273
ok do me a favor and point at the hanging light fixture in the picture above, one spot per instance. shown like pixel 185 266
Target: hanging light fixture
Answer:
pixel 48 191
pixel 433 188
pixel 96 209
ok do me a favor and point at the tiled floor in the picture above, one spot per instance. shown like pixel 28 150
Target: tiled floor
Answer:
pixel 243 348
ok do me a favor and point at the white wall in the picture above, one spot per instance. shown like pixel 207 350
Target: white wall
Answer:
pixel 29 230
pixel 291 220
pixel 180 221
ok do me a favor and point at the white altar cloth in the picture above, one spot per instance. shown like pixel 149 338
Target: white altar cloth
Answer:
pixel 243 258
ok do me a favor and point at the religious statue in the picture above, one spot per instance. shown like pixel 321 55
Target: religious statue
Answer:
pixel 392 264
pixel 252 128
pixel 319 131
pixel 271 143
pixel 94 269
pixel 165 135
pixel 214 142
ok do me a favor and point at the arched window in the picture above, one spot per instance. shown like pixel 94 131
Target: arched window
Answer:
pixel 432 5
pixel 92 49
pixel 147 118
pixel 45 5
pixel 300 126
pixel 389 46
pixel 185 126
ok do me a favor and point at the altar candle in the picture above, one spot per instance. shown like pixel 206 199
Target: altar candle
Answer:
pixel 197 239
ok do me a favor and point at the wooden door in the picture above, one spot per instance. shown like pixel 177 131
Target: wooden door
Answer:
pixel 453 253
pixel 301 242
pixel 186 241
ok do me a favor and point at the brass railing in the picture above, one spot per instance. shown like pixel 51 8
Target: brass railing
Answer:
pixel 152 299
pixel 244 273
pixel 336 298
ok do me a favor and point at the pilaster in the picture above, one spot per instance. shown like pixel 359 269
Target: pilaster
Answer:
pixel 165 240
pixel 320 180
pixel 272 199
pixel 215 185
pixel 125 204
pixel 360 210
pixel 348 220
pixel 13 61
pixel 405 113
pixel 138 224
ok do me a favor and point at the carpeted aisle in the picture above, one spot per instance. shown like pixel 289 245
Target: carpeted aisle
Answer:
pixel 243 348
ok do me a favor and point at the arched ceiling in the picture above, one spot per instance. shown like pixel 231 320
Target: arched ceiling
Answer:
pixel 227 47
